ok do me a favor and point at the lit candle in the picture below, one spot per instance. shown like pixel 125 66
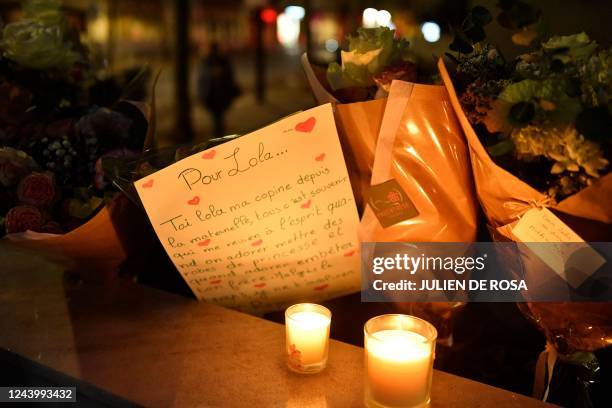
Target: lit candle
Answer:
pixel 307 332
pixel 399 353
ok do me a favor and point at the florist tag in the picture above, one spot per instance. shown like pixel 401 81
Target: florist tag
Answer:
pixel 263 220
pixel 574 263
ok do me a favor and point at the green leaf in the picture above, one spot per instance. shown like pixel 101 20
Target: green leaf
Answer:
pixel 552 90
pixel 501 148
pixel 570 47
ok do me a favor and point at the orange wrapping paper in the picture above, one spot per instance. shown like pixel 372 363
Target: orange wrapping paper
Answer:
pixel 504 198
pixel 420 145
pixel 358 125
pixel 94 250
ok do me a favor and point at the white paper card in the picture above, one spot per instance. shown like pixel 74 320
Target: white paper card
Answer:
pixel 574 263
pixel 262 221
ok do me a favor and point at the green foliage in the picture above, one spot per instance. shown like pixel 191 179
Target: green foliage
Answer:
pixel 570 48
pixel 369 53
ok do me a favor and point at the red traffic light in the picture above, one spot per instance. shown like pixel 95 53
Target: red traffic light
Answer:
pixel 268 15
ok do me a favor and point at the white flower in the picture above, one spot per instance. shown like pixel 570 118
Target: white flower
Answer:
pixel 36 45
pixel 571 153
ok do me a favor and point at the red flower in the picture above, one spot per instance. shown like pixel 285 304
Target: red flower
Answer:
pixel 37 189
pixel 23 218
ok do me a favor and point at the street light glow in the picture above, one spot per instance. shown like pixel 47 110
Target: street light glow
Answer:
pixel 383 18
pixel 331 45
pixel 431 31
pixel 370 15
pixel 295 12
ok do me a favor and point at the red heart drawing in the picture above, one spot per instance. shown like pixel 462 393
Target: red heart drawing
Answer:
pixel 320 157
pixel 204 243
pixel 209 154
pixel 215 282
pixel 260 285
pixel 306 204
pixel 350 253
pixel 257 243
pixel 306 126
pixel 148 184
pixel 322 287
pixel 194 201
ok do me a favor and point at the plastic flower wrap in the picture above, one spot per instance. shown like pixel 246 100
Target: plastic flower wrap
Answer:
pixel 548 109
pixel 538 131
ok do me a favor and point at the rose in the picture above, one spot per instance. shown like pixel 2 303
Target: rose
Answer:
pixel 23 218
pixel 35 45
pixel 14 164
pixel 37 189
pixel 104 123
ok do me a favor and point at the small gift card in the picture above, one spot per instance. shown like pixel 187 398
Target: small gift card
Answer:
pixel 390 203
pixel 551 240
pixel 263 220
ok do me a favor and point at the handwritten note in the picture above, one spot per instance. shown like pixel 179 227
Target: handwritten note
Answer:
pixel 262 221
pixel 557 245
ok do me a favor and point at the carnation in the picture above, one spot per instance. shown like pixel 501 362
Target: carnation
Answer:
pixel 23 218
pixel 37 189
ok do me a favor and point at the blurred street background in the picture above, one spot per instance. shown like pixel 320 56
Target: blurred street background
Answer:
pixel 261 42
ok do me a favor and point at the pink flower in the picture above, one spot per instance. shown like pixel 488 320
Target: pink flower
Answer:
pixel 23 218
pixel 37 189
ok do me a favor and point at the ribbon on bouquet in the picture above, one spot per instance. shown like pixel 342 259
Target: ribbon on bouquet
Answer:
pixel 520 207
pixel 544 372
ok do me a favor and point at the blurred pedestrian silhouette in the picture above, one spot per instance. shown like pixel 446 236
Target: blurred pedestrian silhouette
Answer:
pixel 217 87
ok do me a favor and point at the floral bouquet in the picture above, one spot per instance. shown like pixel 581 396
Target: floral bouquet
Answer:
pixel 538 129
pixel 55 139
pixel 358 88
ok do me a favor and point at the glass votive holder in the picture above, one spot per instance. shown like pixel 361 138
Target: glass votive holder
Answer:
pixel 399 355
pixel 307 334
